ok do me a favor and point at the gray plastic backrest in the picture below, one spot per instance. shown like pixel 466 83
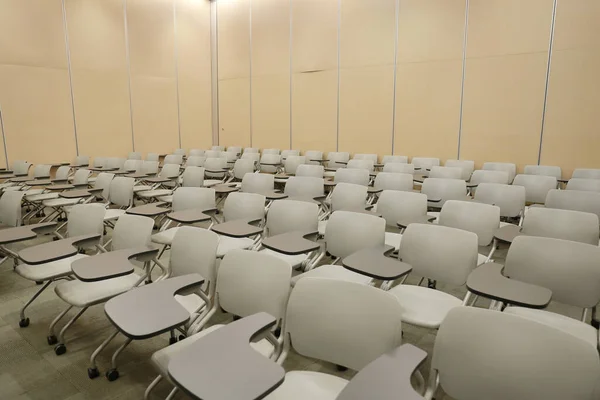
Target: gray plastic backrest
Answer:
pixel 576 200
pixel 10 208
pixel 244 205
pixel 230 156
pixel 121 191
pixel 398 205
pixel 21 167
pixel 271 151
pixel 467 167
pixel 571 270
pixel 132 231
pixel 173 159
pixel 348 195
pixel 425 162
pixel 304 186
pixel 251 150
pixel 352 175
pixel 313 155
pixel 536 186
pixel 394 159
pixel 445 189
pixel 218 148
pixel 86 219
pixel 195 161
pixel 510 199
pixel 366 156
pixel 335 156
pixel 250 156
pixel 546 170
pixel 590 185
pixel 150 167
pixel 196 153
pixel 62 172
pixel 103 182
pixel 286 153
pixel 193 177
pixel 243 167
pixel 152 157
pixel 347 232
pixel 133 165
pixel 215 164
pixel 586 173
pixel 333 320
pixel 234 149
pixel 439 252
pixel 81 176
pixel 483 176
pixel 501 166
pixel 258 183
pixel 562 224
pixel 361 164
pixel 99 162
pixel 186 198
pixel 399 168
pixel 249 282
pixel 194 250
pixel 169 171
pixel 483 354
pixel 115 162
pixel 291 215
pixel 41 170
pixel 446 172
pixel 479 218
pixel 292 162
pixel 81 160
pixel 134 155
pixel 394 181
pixel 180 152
pixel 269 159
pixel 316 171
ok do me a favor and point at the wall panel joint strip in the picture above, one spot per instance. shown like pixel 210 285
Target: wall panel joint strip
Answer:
pixel 464 71
pixel 550 47
pixel 395 75
pixel 3 137
pixel 128 60
pixel 214 71
pixel 291 75
pixel 250 51
pixel 68 53
pixel 339 40
pixel 176 69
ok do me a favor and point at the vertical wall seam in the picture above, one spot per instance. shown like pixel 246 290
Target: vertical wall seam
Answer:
pixel 3 136
pixel 395 76
pixel 176 55
pixel 128 61
pixel 339 41
pixel 291 75
pixel 464 71
pixel 68 53
pixel 250 39
pixel 214 71
pixel 550 48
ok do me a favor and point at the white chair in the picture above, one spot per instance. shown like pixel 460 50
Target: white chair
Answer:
pixel 292 162
pixel 251 150
pixel 243 167
pixel 62 174
pixel 99 162
pixel 394 181
pixel 304 187
pixel 150 168
pixel 230 156
pixel 10 209
pixel 218 148
pixel 562 224
pixel 352 175
pixel 258 183
pixel 344 196
pixel 192 177
pixel 546 170
pixel 361 164
pixel 336 160
pixel 179 152
pixel 133 166
pixel 398 167
pixel 152 157
pixel 316 171
pixel 425 163
pixel 590 185
pixel 235 149
pixel 115 162
pixel 369 157
pixel 195 161
pixel 134 155
pixel 270 163
pixel 488 176
pixel 399 205
pixel 444 189
pixel 446 172
pixel 510 168
pixel 467 167
pixel 255 157
pixel 510 199
pixel 173 159
pixel 212 167
pixel 286 153
pixel 271 151
pixel 575 200
pixel 213 153
pixel 81 161
pixel 120 197
pixel 586 173
pixel 168 171
pixel 313 157
pixel 536 186
pixel 394 159
pixel 196 153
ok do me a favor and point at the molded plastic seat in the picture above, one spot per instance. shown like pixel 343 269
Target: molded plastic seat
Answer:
pixel 333 272
pixel 423 306
pixel 78 295
pixel 303 385
pixel 51 270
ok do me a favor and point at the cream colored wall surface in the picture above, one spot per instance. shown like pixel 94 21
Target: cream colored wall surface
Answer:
pixel 99 76
pixel 429 77
pixel 505 80
pixel 34 82
pixel 194 73
pixel 571 137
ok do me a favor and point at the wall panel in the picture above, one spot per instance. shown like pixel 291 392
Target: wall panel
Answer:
pixel 234 112
pixel 505 80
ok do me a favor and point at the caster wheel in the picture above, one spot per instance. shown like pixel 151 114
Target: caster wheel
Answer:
pixel 341 368
pixel 93 373
pixel 596 323
pixel 148 281
pixel 328 254
pixel 112 375
pixel 39 282
pixel 52 340
pixel 431 284
pixel 155 227
pixel 181 337
pixel 60 349
pixel 104 232
pixel 172 340
pixel 55 238
pixel 24 323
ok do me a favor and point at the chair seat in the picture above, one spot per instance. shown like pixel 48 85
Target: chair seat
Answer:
pixel 141 188
pixel 569 325
pixel 503 224
pixel 393 239
pixel 166 199
pixel 47 271
pixel 435 214
pixel 226 244
pixel 33 192
pixel 161 358
pixel 60 202
pixel 212 182
pixel 41 197
pixel 92 179
pixel 293 261
pixel 303 385
pixel 113 213
pixel 146 194
pixel 328 174
pixel 165 237
pixel 423 306
pixel 85 294
pixel 334 272
pixel 191 302
pixel 481 259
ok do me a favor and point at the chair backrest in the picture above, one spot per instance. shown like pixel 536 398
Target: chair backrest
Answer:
pixel 186 198
pixel 348 195
pixel 269 158
pixel 316 171
pixel 81 176
pixel 425 162
pixel 394 159
pixel 536 186
pixel 230 156
pixel 590 185
pixel 291 215
pixel 501 166
pixel 195 161
pixel 286 153
pixel 10 208
pixel 244 205
pixel 234 149
pixel 398 167
pixel 86 219
pixel 510 199
pixel 401 205
pixel 99 162
pixel 488 176
pixel 152 157
pixel 173 159
pixel 347 232
pixel 479 218
pixel 333 320
pixel 251 156
pixel 467 167
pixel 83 161
pixel 193 177
pixel 42 171
pixel 586 173
pixel 576 200
pixel 361 164
pixel 249 282
pixel 445 189
pixel 484 354
pixel 218 148
pixel 103 181
pixel 562 224
pixel 134 155
pixel 196 153
pixel 304 186
pixel 439 252
pixel 243 167
pixel 335 157
pixel 394 181
pixel 194 250
pixel 546 170
pixel 446 172
pixel 169 171
pixel 115 162
pixel 271 151
pixel 212 153
pixel 258 183
pixel 571 270
pixel 215 164
pixel 133 165
pixel 180 152
pixel 352 175
pixel 313 155
pixel 292 162
pixel 121 191
pixel 363 156
pixel 251 150
pixel 150 167
pixel 132 231
pixel 62 173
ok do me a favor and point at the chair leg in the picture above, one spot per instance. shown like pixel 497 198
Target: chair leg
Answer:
pixel 113 374
pixel 60 348
pixel 171 395
pixel 93 369
pixel 24 322
pixel 52 340
pixel 152 385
